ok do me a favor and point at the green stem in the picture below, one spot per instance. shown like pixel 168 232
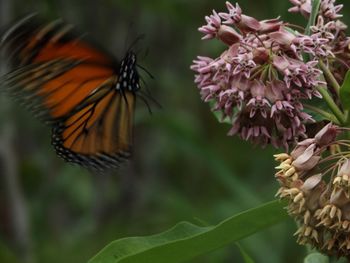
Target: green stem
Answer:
pixel 330 77
pixel 332 105
pixel 325 114
pixel 261 70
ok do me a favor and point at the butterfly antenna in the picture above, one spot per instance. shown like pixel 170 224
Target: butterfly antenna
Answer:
pixel 128 33
pixel 146 87
pixel 141 54
pixel 148 93
pixel 135 42
pixel 146 71
pixel 149 97
pixel 146 102
pixel 146 53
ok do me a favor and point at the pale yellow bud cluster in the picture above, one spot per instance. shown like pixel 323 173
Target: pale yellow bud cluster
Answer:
pixel 286 169
pixel 316 184
pixel 321 208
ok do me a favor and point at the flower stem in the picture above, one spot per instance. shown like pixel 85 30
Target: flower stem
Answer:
pixel 332 105
pixel 330 77
pixel 325 114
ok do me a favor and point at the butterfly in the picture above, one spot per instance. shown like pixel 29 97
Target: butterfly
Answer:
pixel 84 93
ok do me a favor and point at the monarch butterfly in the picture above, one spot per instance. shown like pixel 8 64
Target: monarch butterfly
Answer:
pixel 85 94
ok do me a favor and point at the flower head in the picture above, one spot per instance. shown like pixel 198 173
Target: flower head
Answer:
pixel 259 82
pixel 262 80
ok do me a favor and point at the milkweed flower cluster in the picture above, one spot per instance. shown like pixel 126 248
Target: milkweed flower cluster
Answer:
pixel 315 176
pixel 262 79
pixel 262 83
pixel 316 184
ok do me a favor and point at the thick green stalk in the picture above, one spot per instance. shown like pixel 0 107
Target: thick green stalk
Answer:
pixel 327 115
pixel 330 77
pixel 332 105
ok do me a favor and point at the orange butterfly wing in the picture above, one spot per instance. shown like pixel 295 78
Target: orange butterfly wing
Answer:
pixel 99 134
pixel 71 84
pixel 54 64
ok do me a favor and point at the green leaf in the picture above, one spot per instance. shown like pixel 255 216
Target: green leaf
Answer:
pixel 314 12
pixel 345 92
pixel 246 257
pixel 186 240
pixel 316 258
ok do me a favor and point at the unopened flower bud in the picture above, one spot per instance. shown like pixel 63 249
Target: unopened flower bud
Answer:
pixel 307 160
pixel 326 135
pixel 228 35
pixel 248 24
pixel 282 37
pixel 270 25
pixel 260 55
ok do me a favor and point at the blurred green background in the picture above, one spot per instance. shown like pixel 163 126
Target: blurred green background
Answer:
pixel 184 166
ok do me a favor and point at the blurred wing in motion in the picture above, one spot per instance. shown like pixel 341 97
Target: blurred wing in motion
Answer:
pixel 85 94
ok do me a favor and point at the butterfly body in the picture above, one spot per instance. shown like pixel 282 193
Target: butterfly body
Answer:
pixel 129 78
pixel 84 93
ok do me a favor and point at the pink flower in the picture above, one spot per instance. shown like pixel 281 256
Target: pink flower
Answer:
pixel 235 17
pixel 301 6
pixel 234 14
pixel 244 64
pixel 322 29
pixel 212 27
pixel 300 74
pixel 261 80
pixel 314 45
pixel 329 10
pixel 258 103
